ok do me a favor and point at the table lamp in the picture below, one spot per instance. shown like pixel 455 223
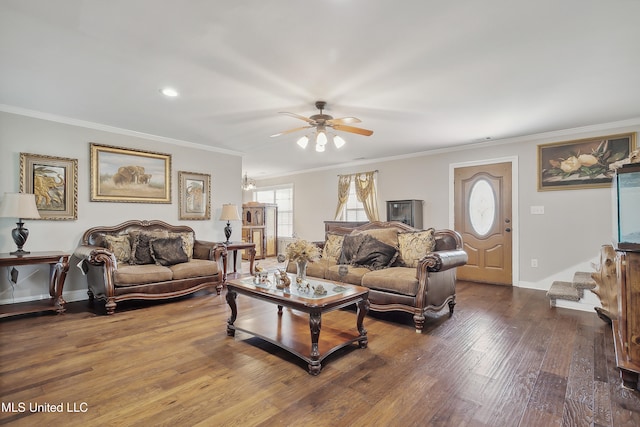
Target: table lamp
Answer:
pixel 19 205
pixel 229 213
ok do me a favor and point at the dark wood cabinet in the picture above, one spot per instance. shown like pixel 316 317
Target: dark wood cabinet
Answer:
pixel 626 328
pixel 406 211
pixel 260 226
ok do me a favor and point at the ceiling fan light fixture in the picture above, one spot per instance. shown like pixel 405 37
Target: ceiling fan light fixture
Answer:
pixel 321 138
pixel 338 141
pixel 303 141
pixel 320 148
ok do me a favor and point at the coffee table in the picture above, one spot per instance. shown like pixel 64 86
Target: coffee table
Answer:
pixel 288 330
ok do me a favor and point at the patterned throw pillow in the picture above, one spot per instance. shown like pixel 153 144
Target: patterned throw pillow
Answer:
pixel 120 246
pixel 187 242
pixel 168 251
pixel 414 245
pixel 332 246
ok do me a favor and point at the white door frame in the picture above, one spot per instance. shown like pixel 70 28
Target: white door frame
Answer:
pixel 515 220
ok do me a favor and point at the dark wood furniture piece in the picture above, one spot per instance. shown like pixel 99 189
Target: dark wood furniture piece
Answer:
pixel 260 226
pixel 331 225
pixel 626 328
pixel 58 267
pixel 287 329
pixel 406 211
pixel 248 247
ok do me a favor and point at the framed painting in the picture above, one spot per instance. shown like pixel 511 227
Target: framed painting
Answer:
pixel 54 182
pixel 194 193
pixel 128 175
pixel 583 163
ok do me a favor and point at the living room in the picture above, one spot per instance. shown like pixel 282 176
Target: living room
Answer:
pixel 565 239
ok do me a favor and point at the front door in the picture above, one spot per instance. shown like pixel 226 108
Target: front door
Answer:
pixel 482 205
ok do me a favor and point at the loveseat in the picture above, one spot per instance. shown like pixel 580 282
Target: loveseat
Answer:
pixel 148 260
pixel 405 269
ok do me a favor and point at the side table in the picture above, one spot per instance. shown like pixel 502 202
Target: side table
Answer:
pixel 58 267
pixel 235 247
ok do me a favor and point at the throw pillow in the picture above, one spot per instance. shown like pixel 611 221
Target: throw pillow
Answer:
pixel 168 251
pixel 350 245
pixel 374 254
pixel 120 245
pixel 140 247
pixel 333 246
pixel 414 245
pixel 187 242
pixel 385 235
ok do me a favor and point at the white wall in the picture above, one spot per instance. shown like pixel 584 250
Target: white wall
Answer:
pixel 23 134
pixel 569 235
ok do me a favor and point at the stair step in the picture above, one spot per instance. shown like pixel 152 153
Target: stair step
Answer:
pixel 583 280
pixel 563 290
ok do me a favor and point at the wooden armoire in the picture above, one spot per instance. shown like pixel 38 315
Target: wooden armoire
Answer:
pixel 260 226
pixel 626 328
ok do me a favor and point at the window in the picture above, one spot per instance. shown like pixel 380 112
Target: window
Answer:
pixel 283 197
pixel 353 210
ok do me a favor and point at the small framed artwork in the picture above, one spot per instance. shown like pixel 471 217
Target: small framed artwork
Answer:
pixel 583 163
pixel 195 195
pixel 128 175
pixel 54 182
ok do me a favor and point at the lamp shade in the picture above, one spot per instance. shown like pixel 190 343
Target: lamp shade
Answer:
pixel 19 205
pixel 229 213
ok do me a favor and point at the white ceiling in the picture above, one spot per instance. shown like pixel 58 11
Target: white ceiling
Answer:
pixel 422 74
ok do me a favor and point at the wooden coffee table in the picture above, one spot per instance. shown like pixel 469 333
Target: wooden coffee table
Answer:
pixel 288 330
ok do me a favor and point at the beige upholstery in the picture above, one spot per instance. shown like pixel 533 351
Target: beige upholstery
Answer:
pixel 139 277
pixel 427 284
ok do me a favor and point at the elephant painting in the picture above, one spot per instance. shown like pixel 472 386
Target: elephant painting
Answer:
pixel 48 187
pixel 131 175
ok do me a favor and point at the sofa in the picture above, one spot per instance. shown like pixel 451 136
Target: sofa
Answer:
pixel 148 260
pixel 405 269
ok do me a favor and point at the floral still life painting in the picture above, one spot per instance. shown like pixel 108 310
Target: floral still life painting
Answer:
pixel 586 163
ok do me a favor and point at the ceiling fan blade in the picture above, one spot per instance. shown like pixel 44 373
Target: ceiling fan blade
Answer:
pixel 297 116
pixel 290 131
pixel 344 120
pixel 353 129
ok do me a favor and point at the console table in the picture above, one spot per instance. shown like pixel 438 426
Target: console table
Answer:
pixel 58 267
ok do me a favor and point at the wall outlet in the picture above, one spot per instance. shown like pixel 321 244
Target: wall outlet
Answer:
pixel 537 210
pixel 534 263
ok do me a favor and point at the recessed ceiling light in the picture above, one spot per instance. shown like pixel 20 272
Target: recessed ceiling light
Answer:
pixel 169 91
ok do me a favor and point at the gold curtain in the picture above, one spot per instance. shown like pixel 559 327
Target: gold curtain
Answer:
pixel 367 194
pixel 344 182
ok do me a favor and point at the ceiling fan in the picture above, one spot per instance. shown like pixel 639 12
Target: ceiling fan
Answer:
pixel 321 122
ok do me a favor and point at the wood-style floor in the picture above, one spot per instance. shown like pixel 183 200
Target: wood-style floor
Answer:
pixel 505 358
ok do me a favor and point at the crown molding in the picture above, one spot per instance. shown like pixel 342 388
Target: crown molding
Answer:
pixel 106 128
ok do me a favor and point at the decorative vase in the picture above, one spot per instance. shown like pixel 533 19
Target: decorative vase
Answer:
pixel 301 269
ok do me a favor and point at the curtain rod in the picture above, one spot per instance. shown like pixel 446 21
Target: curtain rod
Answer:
pixel 358 173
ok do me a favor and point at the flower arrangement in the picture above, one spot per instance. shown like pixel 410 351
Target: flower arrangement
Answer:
pixel 302 250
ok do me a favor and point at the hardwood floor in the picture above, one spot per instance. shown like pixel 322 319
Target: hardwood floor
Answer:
pixel 505 358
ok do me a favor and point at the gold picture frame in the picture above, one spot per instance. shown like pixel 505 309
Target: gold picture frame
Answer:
pixel 129 175
pixel 54 181
pixel 195 195
pixel 583 163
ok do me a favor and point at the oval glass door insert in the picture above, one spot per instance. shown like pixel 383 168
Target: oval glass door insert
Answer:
pixel 482 207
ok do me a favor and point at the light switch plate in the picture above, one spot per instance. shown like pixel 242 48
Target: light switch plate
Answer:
pixel 537 210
